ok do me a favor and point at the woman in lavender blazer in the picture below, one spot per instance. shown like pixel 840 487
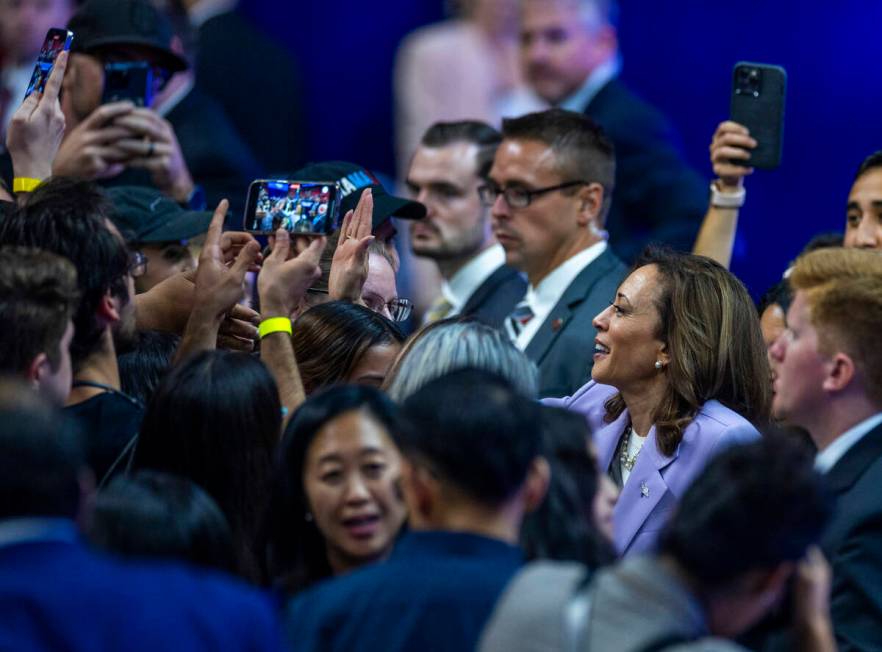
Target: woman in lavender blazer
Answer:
pixel 680 372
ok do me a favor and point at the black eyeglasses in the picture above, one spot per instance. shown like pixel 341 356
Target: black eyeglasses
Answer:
pixel 398 309
pixel 518 197
pixel 137 264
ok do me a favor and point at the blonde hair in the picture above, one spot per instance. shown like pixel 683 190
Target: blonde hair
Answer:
pixel 843 289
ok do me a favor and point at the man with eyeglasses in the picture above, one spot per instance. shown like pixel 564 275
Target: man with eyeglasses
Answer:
pixel 549 190
pixel 354 269
pixel 449 165
pixel 159 230
pixel 570 58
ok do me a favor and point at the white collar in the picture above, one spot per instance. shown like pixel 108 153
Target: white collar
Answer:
pixel 544 296
pixel 827 458
pixel 462 285
pixel 21 530
pixel 204 10
pixel 598 78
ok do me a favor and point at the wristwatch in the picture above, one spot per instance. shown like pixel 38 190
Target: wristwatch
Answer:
pixel 726 199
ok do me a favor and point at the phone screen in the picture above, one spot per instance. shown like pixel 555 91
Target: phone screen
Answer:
pixel 130 81
pixel 57 41
pixel 298 206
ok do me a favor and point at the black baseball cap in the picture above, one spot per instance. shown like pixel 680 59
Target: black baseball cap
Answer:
pixel 352 180
pixel 146 216
pixel 103 24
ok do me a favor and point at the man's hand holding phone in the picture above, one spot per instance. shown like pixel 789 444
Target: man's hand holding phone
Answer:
pixel 37 127
pixel 90 150
pixel 150 143
pixel 731 142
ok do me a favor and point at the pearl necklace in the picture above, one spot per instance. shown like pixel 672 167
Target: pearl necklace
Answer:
pixel 628 462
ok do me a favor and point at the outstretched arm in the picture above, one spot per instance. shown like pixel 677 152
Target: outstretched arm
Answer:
pixel 281 285
pixel 716 238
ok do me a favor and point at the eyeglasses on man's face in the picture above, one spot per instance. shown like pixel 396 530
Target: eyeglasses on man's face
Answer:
pixel 516 196
pixel 398 309
pixel 137 264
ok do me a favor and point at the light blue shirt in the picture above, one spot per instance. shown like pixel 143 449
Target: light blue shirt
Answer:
pixel 827 458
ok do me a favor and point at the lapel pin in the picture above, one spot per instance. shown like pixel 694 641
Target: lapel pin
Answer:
pixel 556 324
pixel 644 490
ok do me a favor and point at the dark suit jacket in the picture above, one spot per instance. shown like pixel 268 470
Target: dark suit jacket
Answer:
pixel 853 545
pixel 435 592
pixel 657 197
pixel 563 347
pixel 57 595
pixel 256 83
pixel 496 297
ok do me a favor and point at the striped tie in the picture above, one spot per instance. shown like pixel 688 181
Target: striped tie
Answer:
pixel 519 318
pixel 439 309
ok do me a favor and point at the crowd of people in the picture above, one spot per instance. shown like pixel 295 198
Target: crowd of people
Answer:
pixel 215 440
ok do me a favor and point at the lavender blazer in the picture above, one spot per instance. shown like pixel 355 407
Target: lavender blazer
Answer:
pixel 657 481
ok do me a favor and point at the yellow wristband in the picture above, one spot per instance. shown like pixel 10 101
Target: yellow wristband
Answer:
pixel 25 184
pixel 274 325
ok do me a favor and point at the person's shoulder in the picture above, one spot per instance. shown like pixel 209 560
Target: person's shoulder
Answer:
pixel 715 412
pixel 623 113
pixel 717 425
pixel 588 400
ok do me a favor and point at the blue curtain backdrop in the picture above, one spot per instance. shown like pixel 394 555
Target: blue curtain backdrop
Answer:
pixel 678 55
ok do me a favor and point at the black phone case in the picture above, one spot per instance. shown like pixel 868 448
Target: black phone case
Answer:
pixel 762 112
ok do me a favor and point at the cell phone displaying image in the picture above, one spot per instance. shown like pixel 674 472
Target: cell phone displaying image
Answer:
pixel 57 41
pixel 301 207
pixel 128 80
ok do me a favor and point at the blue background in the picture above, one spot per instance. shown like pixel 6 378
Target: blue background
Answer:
pixel 679 56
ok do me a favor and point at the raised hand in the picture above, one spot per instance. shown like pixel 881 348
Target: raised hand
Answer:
pixel 37 127
pixel 731 141
pixel 282 283
pixel 89 150
pixel 152 145
pixel 349 266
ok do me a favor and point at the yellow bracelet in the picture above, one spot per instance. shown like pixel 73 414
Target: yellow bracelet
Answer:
pixel 274 325
pixel 25 184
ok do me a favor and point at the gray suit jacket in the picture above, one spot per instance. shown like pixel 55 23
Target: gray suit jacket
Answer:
pixel 563 347
pixel 635 606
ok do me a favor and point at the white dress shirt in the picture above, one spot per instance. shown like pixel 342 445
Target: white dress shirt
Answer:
pixel 462 285
pixel 545 296
pixel 827 458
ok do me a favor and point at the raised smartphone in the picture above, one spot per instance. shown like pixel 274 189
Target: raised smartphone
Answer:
pixel 57 40
pixel 300 207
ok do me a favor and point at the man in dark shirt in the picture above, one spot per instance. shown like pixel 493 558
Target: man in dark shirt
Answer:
pixel 468 476
pixel 70 218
